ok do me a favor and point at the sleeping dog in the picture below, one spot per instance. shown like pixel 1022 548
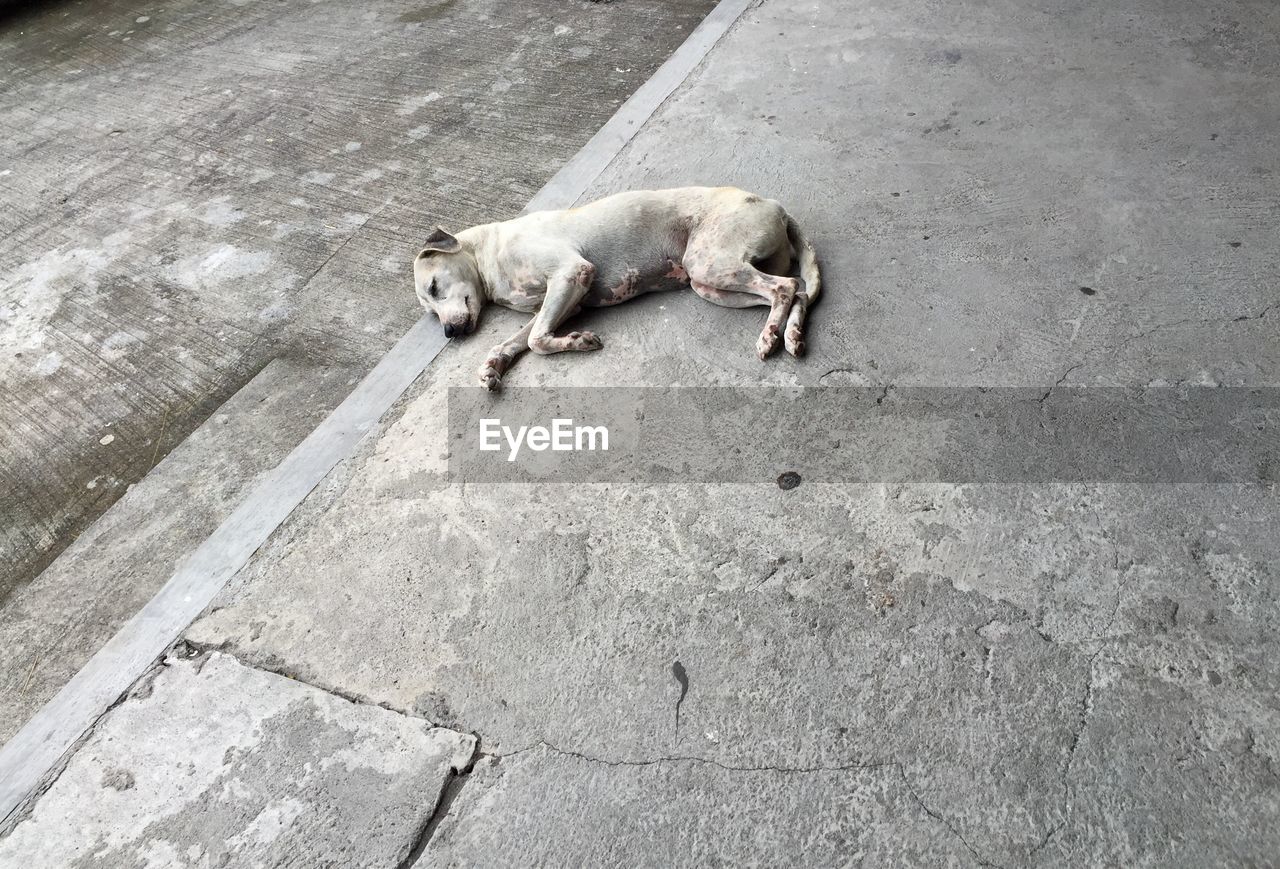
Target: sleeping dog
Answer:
pixel 729 245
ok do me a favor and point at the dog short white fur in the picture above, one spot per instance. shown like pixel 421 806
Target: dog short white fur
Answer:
pixel 732 247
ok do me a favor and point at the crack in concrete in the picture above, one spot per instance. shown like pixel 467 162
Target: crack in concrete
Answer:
pixel 1060 381
pixel 141 688
pixel 942 819
pixel 1122 583
pixel 1040 846
pixel 772 768
pixel 458 778
pixel 1200 321
pixel 1258 316
pixel 1121 587
pixel 270 664
pixel 683 758
pixel 449 788
pixel 773 571
pixel 449 791
pixel 343 245
pixel 1086 711
pixel 1159 327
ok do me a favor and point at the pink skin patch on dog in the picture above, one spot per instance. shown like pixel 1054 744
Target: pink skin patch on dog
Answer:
pixel 677 272
pixel 628 287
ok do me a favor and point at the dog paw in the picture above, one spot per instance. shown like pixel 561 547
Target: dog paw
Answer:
pixel 584 341
pixel 490 379
pixel 794 342
pixel 768 342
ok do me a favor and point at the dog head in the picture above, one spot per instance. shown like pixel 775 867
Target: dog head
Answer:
pixel 447 281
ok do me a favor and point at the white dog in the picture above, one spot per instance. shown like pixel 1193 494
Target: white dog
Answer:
pixel 731 246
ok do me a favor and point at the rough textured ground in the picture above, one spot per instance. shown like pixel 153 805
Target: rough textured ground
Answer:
pixel 240 768
pixel 192 191
pixel 49 628
pixel 977 674
pixel 937 674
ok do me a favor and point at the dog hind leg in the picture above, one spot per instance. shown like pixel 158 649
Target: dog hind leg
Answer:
pixel 780 307
pixel 727 299
pixel 777 292
pixel 811 274
pixel 793 337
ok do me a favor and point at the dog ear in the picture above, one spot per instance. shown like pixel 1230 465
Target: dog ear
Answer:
pixel 439 242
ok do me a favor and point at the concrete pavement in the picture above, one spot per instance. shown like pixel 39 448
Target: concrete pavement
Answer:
pixel 193 192
pixel 209 215
pixel 49 628
pixel 940 674
pixel 241 768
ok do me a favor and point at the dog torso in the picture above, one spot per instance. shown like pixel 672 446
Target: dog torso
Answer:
pixel 636 241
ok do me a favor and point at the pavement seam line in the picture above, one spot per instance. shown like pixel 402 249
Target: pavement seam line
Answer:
pixel 881 764
pixel 32 758
pixel 191 649
pixel 787 770
pixel 449 791
pixel 25 806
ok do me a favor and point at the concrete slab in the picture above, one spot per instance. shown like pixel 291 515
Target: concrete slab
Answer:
pixel 50 627
pixel 1061 673
pixel 210 763
pixel 192 192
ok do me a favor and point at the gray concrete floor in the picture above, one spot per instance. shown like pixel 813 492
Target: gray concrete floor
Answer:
pixel 237 810
pixel 50 627
pixel 192 191
pixel 1057 674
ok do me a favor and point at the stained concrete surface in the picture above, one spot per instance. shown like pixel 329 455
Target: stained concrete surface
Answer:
pixel 942 674
pixel 1051 674
pixel 192 191
pixel 602 828
pixel 1094 661
pixel 50 627
pixel 240 768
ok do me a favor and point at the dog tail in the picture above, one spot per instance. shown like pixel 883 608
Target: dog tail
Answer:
pixel 812 277
pixel 809 271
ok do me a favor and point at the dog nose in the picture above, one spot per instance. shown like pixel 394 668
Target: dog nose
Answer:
pixel 449 330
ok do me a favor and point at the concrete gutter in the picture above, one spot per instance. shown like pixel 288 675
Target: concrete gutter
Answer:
pixel 27 759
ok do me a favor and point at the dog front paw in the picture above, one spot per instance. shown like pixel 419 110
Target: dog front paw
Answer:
pixel 584 341
pixel 490 378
